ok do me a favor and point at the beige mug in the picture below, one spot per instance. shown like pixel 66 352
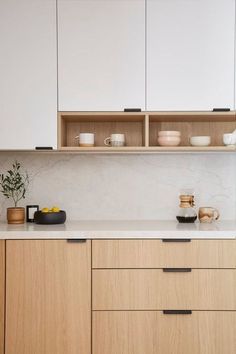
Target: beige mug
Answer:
pixel 85 139
pixel 117 140
pixel 208 214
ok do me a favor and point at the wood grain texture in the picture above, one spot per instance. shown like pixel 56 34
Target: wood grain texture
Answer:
pixel 188 129
pixel 141 129
pixel 48 309
pixel 155 333
pixel 143 150
pixel 153 289
pixel 102 125
pixel 2 294
pixel 158 254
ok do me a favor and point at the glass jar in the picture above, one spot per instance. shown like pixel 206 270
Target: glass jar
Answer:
pixel 186 213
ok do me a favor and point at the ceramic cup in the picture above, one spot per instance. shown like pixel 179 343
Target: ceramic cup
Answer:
pixel 85 139
pixel 208 214
pixel 229 139
pixel 115 140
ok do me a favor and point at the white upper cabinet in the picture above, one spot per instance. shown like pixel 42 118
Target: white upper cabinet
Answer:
pixel 101 54
pixel 28 86
pixel 190 54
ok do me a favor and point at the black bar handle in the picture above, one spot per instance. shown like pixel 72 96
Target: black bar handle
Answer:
pixel 132 110
pixel 43 148
pixel 177 312
pixel 177 270
pixel 76 240
pixel 221 110
pixel 176 240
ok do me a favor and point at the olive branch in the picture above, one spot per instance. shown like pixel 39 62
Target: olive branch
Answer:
pixel 14 183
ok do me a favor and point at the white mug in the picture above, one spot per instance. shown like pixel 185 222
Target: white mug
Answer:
pixel 115 140
pixel 85 139
pixel 229 139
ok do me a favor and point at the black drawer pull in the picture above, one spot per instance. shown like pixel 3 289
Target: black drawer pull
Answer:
pixel 177 312
pixel 221 110
pixel 176 240
pixel 132 110
pixel 76 240
pixel 43 148
pixel 177 270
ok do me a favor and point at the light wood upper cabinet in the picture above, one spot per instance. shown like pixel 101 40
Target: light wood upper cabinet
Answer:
pixel 101 55
pixel 48 296
pixel 28 86
pixel 2 294
pixel 190 54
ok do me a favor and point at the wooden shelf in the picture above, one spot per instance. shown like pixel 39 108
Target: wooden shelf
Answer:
pixel 129 150
pixel 192 116
pixel 141 130
pixel 150 149
pixel 102 124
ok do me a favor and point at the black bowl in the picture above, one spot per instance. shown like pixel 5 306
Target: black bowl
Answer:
pixel 50 218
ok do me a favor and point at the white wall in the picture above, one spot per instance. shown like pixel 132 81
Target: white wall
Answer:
pixel 126 187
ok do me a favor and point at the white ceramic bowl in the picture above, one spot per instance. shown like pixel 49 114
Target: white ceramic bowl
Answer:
pixel 169 140
pixel 229 139
pixel 169 133
pixel 200 140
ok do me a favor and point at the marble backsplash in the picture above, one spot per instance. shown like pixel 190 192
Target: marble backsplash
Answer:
pixel 125 186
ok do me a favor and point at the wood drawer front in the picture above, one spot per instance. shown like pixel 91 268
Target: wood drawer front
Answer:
pixel 152 332
pixel 153 289
pixel 159 254
pixel 2 294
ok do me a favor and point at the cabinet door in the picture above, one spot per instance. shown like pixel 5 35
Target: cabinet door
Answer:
pixel 190 54
pixel 152 332
pixel 2 294
pixel 48 296
pixel 101 54
pixel 28 87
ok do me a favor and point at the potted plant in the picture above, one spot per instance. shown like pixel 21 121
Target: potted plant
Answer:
pixel 14 185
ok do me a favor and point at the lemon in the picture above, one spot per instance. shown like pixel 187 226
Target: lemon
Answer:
pixel 45 210
pixel 55 209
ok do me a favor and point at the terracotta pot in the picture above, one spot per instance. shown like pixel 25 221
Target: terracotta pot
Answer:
pixel 16 215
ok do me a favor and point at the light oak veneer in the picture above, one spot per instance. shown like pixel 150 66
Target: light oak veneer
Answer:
pixel 153 289
pixel 2 294
pixel 151 332
pixel 158 254
pixel 48 294
pixel 141 129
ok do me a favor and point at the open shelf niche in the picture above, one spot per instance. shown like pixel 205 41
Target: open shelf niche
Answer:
pixel 141 130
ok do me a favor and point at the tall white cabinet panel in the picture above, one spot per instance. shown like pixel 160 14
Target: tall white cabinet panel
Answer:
pixel 28 74
pixel 190 54
pixel 101 54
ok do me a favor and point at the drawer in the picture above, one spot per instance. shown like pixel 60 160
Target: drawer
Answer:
pixel 152 332
pixel 159 254
pixel 154 289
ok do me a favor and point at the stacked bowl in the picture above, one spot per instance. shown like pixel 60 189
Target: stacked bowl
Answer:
pixel 169 138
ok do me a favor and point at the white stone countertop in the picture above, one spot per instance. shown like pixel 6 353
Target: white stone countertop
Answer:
pixel 120 229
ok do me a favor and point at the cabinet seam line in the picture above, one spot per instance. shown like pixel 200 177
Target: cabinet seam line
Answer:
pixel 91 279
pixel 234 53
pixel 57 56
pixel 145 40
pixel 5 295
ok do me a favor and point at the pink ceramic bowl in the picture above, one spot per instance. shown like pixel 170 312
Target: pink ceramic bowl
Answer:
pixel 168 141
pixel 174 133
